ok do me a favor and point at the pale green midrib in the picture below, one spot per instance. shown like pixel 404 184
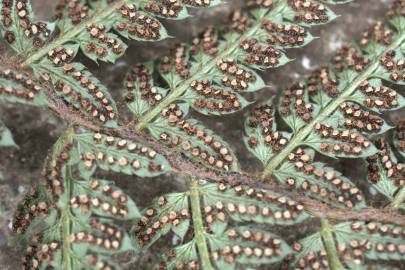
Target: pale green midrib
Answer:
pixel 299 138
pixel 66 222
pixel 198 226
pixel 70 35
pixel 179 90
pixel 330 246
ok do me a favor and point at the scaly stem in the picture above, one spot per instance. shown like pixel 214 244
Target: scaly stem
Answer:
pixel 100 15
pixel 199 226
pixel 398 200
pixel 329 242
pixel 328 110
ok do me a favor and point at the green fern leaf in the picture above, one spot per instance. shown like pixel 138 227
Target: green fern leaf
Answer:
pixel 19 28
pixel 6 137
pixel 117 154
pixel 319 181
pixel 18 87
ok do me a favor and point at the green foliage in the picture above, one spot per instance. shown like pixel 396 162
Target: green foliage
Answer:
pixel 222 205
pixel 71 221
pixel 359 244
pixel 79 220
pixel 6 137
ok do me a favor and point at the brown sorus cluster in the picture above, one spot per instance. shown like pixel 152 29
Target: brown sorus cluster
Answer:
pixel 38 252
pixel 262 117
pixel 222 158
pixel 154 219
pixel 309 12
pixel 294 99
pixel 238 22
pixel 215 99
pixel 206 42
pixel 177 61
pixel 103 111
pixel 288 209
pixel 400 136
pixel 355 249
pixel 139 25
pixel 259 54
pixel 30 208
pixel 262 245
pixel 29 28
pixel 381 229
pixel 235 77
pixel 359 119
pixel 76 10
pixel 123 145
pixel 285 35
pixel 103 235
pixel 260 3
pixel 180 264
pixel 348 194
pixel 379 97
pixel 393 170
pixel 313 261
pixel 53 173
pixel 343 141
pixel 101 37
pixel 197 3
pixel 396 67
pixel 139 80
pixel 29 87
pixel 350 58
pixel 100 264
pixel 60 55
pixel 379 33
pixel 170 9
pixel 117 208
pixel 321 80
pixel 396 8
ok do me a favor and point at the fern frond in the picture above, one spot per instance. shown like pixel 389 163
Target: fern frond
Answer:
pixel 210 74
pixel 90 24
pixel 358 244
pixel 212 209
pixel 70 220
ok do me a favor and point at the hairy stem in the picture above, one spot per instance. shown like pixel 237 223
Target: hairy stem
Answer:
pixel 329 242
pixel 199 226
pixel 398 200
pixel 100 15
pixel 328 110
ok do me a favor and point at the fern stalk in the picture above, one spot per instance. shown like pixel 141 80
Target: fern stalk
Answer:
pixel 198 227
pixel 328 110
pixel 329 242
pixel 102 14
pixel 66 221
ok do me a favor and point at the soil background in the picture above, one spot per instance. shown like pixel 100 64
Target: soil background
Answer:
pixel 35 130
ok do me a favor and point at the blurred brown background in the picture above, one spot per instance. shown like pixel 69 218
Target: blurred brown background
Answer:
pixel 35 130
